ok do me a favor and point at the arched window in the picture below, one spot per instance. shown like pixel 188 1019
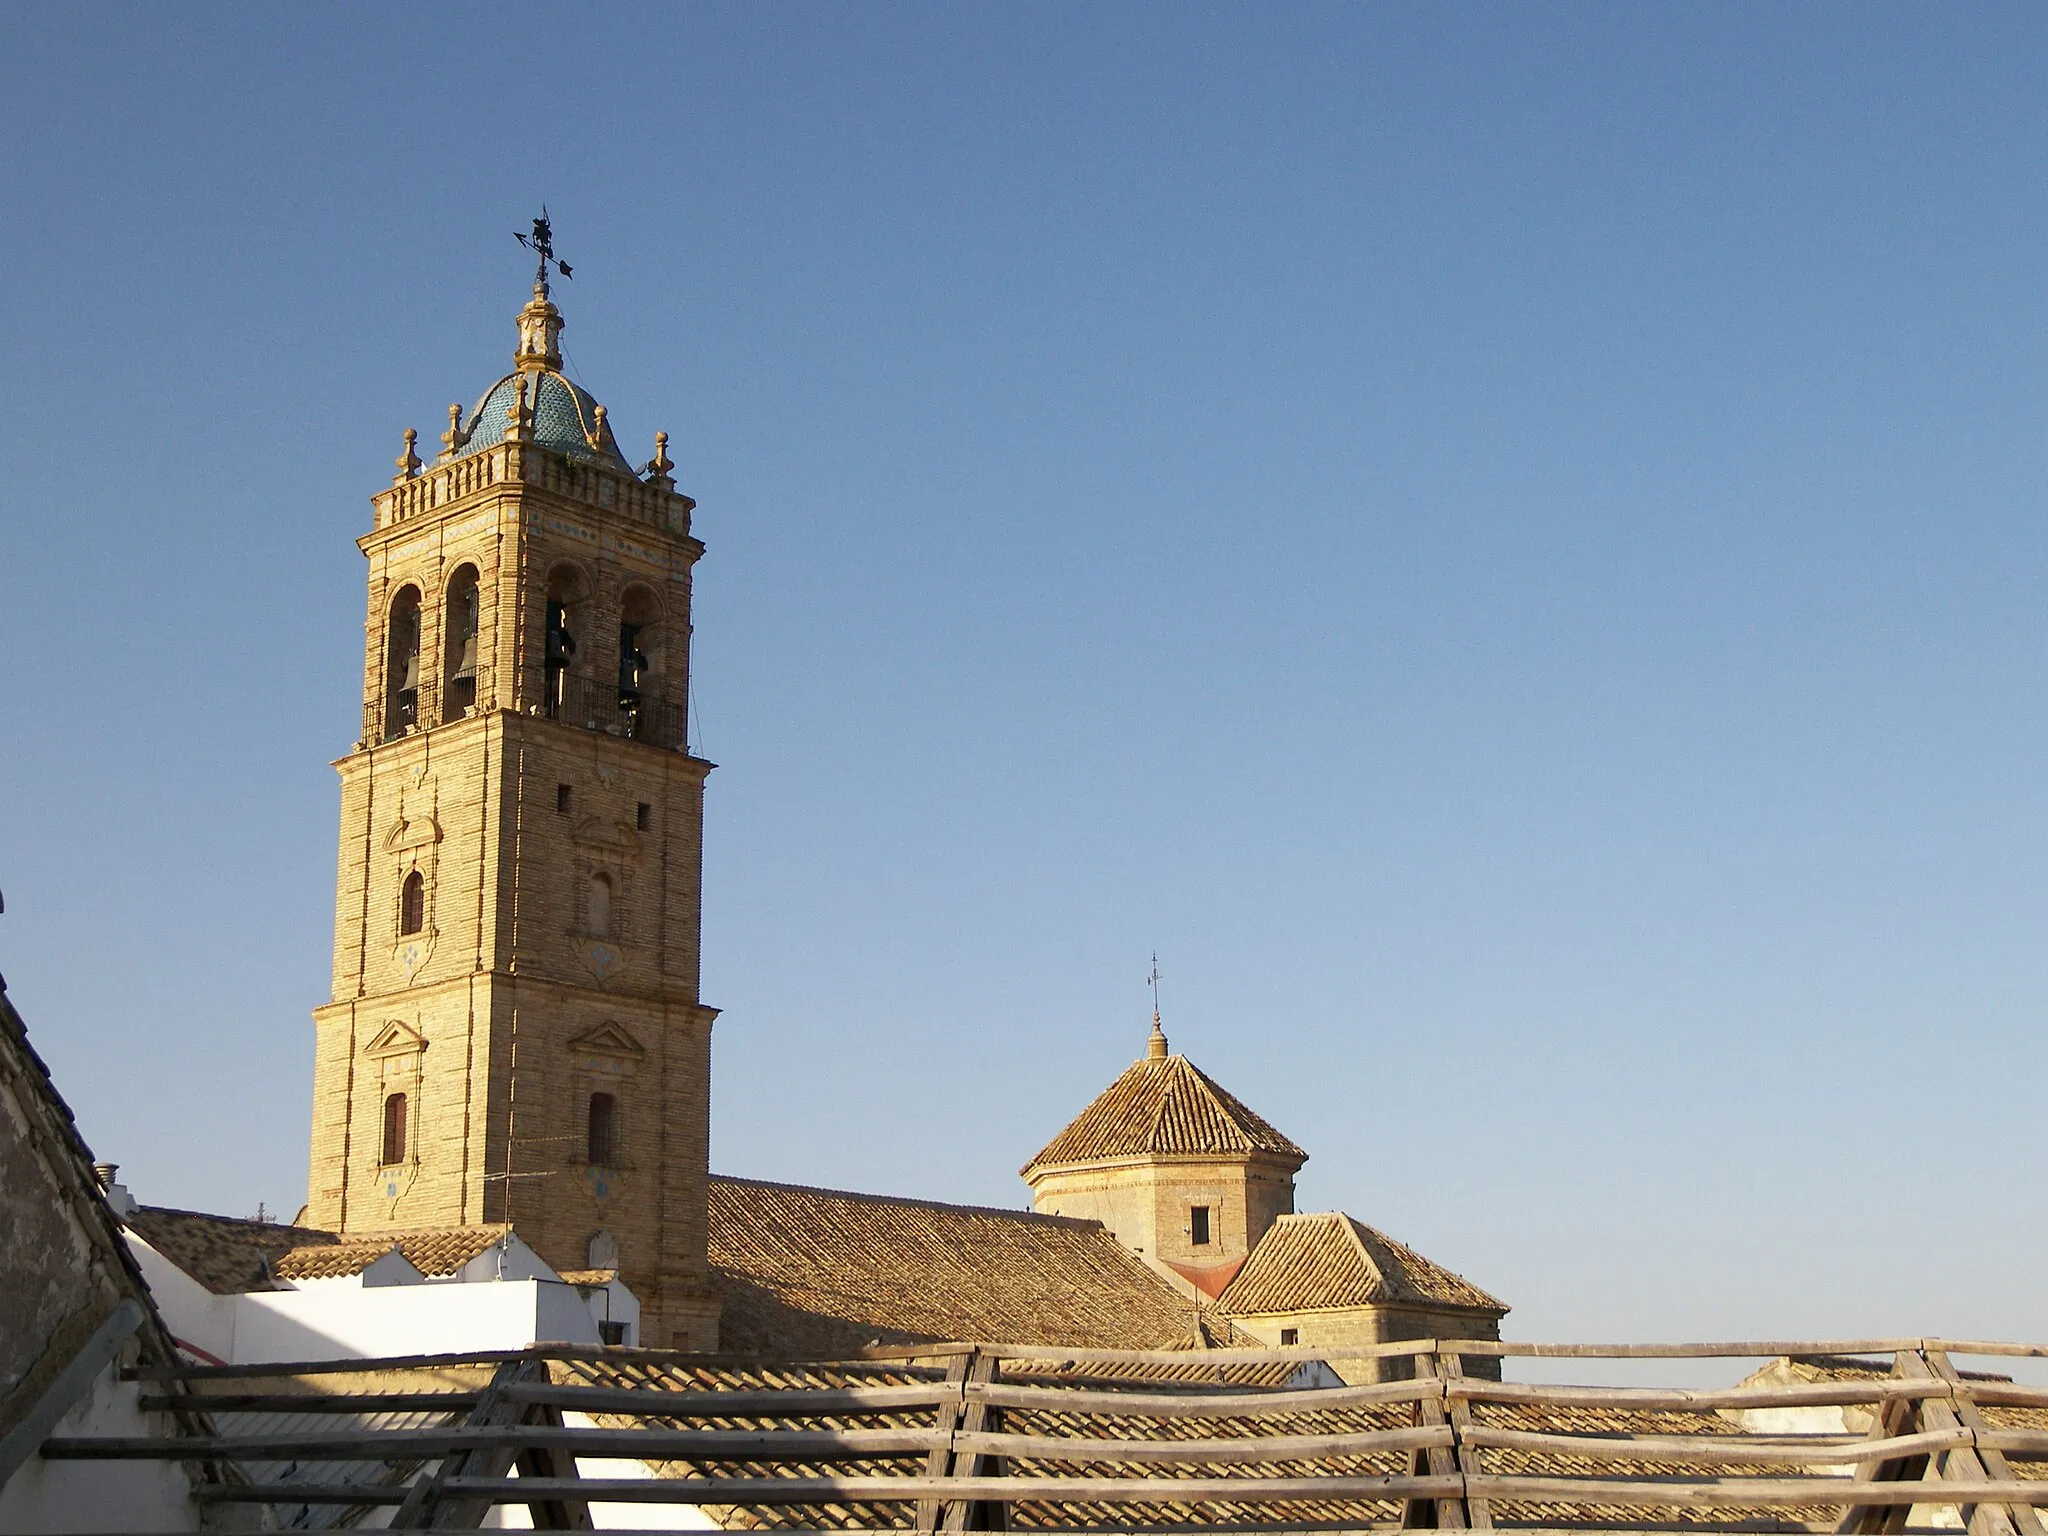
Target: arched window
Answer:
pixel 402 664
pixel 602 1143
pixel 394 1128
pixel 412 903
pixel 567 590
pixel 458 660
pixel 639 658
pixel 600 923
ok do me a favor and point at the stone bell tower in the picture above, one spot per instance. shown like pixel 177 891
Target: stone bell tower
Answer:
pixel 515 1033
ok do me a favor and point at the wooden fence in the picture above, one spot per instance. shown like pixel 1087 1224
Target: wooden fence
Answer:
pixel 1861 1436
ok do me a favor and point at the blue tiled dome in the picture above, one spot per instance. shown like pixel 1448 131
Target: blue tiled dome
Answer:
pixel 564 419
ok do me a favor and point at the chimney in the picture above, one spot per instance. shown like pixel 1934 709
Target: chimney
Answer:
pixel 119 1201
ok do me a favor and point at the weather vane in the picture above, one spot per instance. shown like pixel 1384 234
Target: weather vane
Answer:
pixel 542 243
pixel 1154 980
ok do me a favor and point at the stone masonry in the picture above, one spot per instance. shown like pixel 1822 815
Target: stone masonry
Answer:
pixel 518 904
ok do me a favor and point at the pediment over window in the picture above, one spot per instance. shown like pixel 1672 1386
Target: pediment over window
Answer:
pixel 598 832
pixel 417 831
pixel 395 1039
pixel 608 1039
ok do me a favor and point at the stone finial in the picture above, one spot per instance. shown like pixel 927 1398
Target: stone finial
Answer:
pixel 408 462
pixel 1155 1046
pixel 540 329
pixel 595 436
pixel 658 467
pixel 453 439
pixel 519 415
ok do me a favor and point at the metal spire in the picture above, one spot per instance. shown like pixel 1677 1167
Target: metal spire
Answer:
pixel 1155 1048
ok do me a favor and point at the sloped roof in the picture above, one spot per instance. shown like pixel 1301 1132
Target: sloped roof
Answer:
pixel 64 1268
pixel 226 1254
pixel 811 1272
pixel 1326 1259
pixel 1164 1106
pixel 331 1261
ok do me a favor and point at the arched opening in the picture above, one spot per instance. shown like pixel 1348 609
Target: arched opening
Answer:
pixel 402 663
pixel 601 1143
pixel 600 924
pixel 412 903
pixel 639 658
pixel 566 602
pixel 458 662
pixel 394 1128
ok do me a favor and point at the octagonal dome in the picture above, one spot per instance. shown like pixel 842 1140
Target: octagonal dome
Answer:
pixel 565 419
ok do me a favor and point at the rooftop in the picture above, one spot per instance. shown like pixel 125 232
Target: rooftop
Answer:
pixel 1166 1106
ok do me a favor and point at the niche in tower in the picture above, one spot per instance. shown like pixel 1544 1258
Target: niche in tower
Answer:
pixel 567 603
pixel 458 659
pixel 402 663
pixel 639 659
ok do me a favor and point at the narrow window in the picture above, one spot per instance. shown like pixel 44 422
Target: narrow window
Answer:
pixel 412 904
pixel 458 687
pixel 603 1125
pixel 1289 1336
pixel 394 1128
pixel 561 650
pixel 600 924
pixel 402 664
pixel 1198 1225
pixel 639 661
pixel 610 1332
pixel 643 816
pixel 562 799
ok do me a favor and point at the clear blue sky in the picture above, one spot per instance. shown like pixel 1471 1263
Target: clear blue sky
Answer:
pixel 1505 541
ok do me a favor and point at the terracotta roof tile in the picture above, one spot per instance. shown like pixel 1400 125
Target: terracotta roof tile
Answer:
pixel 225 1254
pixel 1325 1259
pixel 1164 1106
pixel 443 1250
pixel 330 1261
pixel 814 1272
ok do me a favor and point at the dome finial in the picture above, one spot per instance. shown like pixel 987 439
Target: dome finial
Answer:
pixel 540 323
pixel 408 461
pixel 658 467
pixel 454 438
pixel 1155 1047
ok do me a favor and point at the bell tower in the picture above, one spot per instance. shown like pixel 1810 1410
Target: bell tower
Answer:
pixel 515 1033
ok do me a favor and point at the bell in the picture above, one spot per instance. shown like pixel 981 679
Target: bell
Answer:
pixel 465 666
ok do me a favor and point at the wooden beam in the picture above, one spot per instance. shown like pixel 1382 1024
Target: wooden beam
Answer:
pixel 1988 1460
pixel 1272 1403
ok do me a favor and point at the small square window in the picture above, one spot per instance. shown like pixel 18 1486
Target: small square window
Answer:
pixel 643 816
pixel 1198 1225
pixel 562 799
pixel 1289 1337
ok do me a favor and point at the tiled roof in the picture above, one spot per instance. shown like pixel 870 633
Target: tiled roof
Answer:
pixel 1166 1106
pixel 815 1272
pixel 225 1254
pixel 443 1250
pixel 330 1261
pixel 230 1253
pixel 1308 1263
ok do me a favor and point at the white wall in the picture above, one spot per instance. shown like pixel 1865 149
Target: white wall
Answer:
pixel 68 1496
pixel 407 1320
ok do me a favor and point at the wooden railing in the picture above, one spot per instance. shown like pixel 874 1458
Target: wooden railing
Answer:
pixel 1872 1435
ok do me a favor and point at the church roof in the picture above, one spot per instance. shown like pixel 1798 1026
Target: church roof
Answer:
pixel 565 419
pixel 1326 1259
pixel 1164 1106
pixel 821 1271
